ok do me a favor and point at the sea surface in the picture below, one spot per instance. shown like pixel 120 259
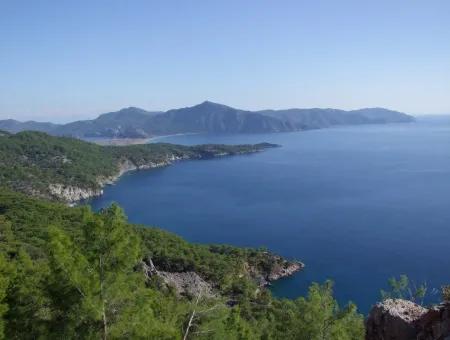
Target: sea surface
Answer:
pixel 356 204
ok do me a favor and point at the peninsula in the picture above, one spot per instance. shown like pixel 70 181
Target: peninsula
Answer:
pixel 69 170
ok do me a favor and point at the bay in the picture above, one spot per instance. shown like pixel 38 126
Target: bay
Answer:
pixel 357 204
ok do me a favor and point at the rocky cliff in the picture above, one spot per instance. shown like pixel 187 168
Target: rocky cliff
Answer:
pixel 189 283
pixel 396 319
pixel 72 194
pixel 279 268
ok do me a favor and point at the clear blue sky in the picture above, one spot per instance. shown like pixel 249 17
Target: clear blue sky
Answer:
pixel 65 60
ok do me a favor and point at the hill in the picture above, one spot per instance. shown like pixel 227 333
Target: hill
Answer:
pixel 69 273
pixel 208 117
pixel 69 169
pixel 14 126
pixel 302 119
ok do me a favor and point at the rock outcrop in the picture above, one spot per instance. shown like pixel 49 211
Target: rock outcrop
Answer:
pixel 397 319
pixel 71 193
pixel 280 268
pixel 184 283
pixel 286 269
pixel 187 283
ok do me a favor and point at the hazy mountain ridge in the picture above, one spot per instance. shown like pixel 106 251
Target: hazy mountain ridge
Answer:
pixel 14 126
pixel 208 117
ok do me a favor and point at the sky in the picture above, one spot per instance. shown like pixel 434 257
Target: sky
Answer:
pixel 69 60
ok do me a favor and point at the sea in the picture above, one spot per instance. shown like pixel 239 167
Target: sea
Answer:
pixel 357 204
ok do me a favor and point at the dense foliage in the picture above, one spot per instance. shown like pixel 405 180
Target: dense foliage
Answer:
pixel 31 161
pixel 71 273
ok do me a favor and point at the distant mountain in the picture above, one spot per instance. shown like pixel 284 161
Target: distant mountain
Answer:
pixel 14 126
pixel 320 118
pixel 126 123
pixel 208 117
pixel 215 118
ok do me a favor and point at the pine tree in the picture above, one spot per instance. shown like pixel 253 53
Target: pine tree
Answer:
pixel 6 272
pixel 29 312
pixel 107 297
pixel 321 318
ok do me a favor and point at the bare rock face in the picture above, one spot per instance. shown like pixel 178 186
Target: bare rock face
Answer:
pixel 396 319
pixel 184 283
pixel 281 268
pixel 393 320
pixel 71 193
pixel 187 283
pixel 435 324
pixel 284 270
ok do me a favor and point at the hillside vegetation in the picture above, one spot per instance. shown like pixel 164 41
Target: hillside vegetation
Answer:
pixel 69 273
pixel 34 162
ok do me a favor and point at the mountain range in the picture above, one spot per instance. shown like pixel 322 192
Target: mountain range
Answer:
pixel 207 117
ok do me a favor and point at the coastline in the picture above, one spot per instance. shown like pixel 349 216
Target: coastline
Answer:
pixel 135 141
pixel 73 195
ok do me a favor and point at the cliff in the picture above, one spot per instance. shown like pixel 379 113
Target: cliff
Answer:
pixel 72 194
pixel 404 320
pixel 271 267
pixel 190 283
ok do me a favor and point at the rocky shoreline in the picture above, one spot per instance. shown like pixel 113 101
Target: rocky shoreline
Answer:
pixel 189 283
pixel 282 269
pixel 73 194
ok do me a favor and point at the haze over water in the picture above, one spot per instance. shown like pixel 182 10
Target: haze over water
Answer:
pixel 356 204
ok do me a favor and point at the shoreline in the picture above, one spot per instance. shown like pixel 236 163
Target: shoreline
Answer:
pixel 135 141
pixel 73 196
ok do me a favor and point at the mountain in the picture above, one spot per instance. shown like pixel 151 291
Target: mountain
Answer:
pixel 208 117
pixel 215 118
pixel 320 118
pixel 14 126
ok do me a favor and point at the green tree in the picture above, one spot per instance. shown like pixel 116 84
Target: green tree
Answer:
pixel 102 292
pixel 6 272
pixel 319 316
pixel 403 288
pixel 29 315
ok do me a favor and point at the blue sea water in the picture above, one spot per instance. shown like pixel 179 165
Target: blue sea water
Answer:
pixel 356 204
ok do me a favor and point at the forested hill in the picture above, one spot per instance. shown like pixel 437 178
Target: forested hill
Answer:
pixel 68 169
pixel 208 117
pixel 69 273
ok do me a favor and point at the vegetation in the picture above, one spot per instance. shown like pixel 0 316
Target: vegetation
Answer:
pixel 446 293
pixel 72 273
pixel 31 161
pixel 402 288
pixel 67 272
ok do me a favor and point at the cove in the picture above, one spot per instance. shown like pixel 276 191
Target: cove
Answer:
pixel 357 204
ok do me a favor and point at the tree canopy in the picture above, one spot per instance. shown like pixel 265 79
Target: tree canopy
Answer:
pixel 72 273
